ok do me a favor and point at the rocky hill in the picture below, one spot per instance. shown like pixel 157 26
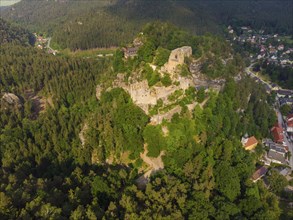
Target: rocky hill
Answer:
pixel 162 83
pixel 157 115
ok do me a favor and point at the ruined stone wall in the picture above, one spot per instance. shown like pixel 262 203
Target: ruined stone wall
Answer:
pixel 177 58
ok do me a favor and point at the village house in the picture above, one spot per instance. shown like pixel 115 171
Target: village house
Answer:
pixel 290 123
pixel 249 143
pixel 259 173
pixel 276 154
pixel 284 93
pixel 274 146
pixel 281 47
pixel 276 157
pixel 130 52
pixel 277 132
pixel 40 46
pixel 285 101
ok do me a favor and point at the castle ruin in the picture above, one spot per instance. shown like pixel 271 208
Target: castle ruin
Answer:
pixel 177 58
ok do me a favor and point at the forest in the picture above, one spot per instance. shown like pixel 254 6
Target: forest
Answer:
pixel 282 75
pixel 91 24
pixel 13 33
pixel 47 173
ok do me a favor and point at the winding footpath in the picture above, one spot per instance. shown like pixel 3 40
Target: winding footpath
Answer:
pixel 154 164
pixel 250 73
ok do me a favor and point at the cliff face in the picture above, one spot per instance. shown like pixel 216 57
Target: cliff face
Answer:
pixel 161 102
pixel 146 97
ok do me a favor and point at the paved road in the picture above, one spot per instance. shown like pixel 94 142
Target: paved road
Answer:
pixel 48 44
pixel 280 118
pixel 288 142
pixel 250 73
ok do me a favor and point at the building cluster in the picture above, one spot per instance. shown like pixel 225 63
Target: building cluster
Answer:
pixel 276 149
pixel 289 126
pixel 40 41
pixel 269 46
pixel 285 97
pixel 131 50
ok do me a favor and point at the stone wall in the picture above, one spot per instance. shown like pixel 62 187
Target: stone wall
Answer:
pixel 177 58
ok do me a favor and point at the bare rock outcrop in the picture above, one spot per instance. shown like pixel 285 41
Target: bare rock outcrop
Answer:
pixel 176 58
pixel 11 99
pixel 99 90
pixel 145 96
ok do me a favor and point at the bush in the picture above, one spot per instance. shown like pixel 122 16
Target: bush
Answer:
pixel 166 80
pixel 162 56
pixel 200 95
pixel 153 136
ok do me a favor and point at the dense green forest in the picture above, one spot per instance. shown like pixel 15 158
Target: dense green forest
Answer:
pixel 283 76
pixel 12 33
pixel 47 173
pixel 89 24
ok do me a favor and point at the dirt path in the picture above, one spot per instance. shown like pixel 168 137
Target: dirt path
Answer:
pixel 155 163
pixel 204 102
pixel 158 119
pixel 81 134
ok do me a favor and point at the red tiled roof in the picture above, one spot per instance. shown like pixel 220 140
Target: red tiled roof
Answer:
pixel 290 124
pixel 277 132
pixel 290 117
pixel 250 141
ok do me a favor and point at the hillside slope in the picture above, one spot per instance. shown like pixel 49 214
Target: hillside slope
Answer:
pixel 88 24
pixel 203 172
pixel 15 34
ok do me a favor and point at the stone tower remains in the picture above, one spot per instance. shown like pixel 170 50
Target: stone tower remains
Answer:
pixel 177 58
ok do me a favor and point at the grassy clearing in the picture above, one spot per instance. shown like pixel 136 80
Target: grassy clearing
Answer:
pixel 91 53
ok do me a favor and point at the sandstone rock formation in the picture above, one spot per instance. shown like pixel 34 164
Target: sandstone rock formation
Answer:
pixel 177 58
pixel 99 90
pixel 11 99
pixel 145 96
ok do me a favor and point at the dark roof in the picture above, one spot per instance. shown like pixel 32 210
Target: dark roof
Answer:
pixel 276 156
pixel 285 92
pixel 284 101
pixel 278 148
pixel 132 49
pixel 259 173
pixel 268 142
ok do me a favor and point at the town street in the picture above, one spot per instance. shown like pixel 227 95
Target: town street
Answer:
pixel 288 142
pixel 280 118
pixel 48 43
pixel 251 74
